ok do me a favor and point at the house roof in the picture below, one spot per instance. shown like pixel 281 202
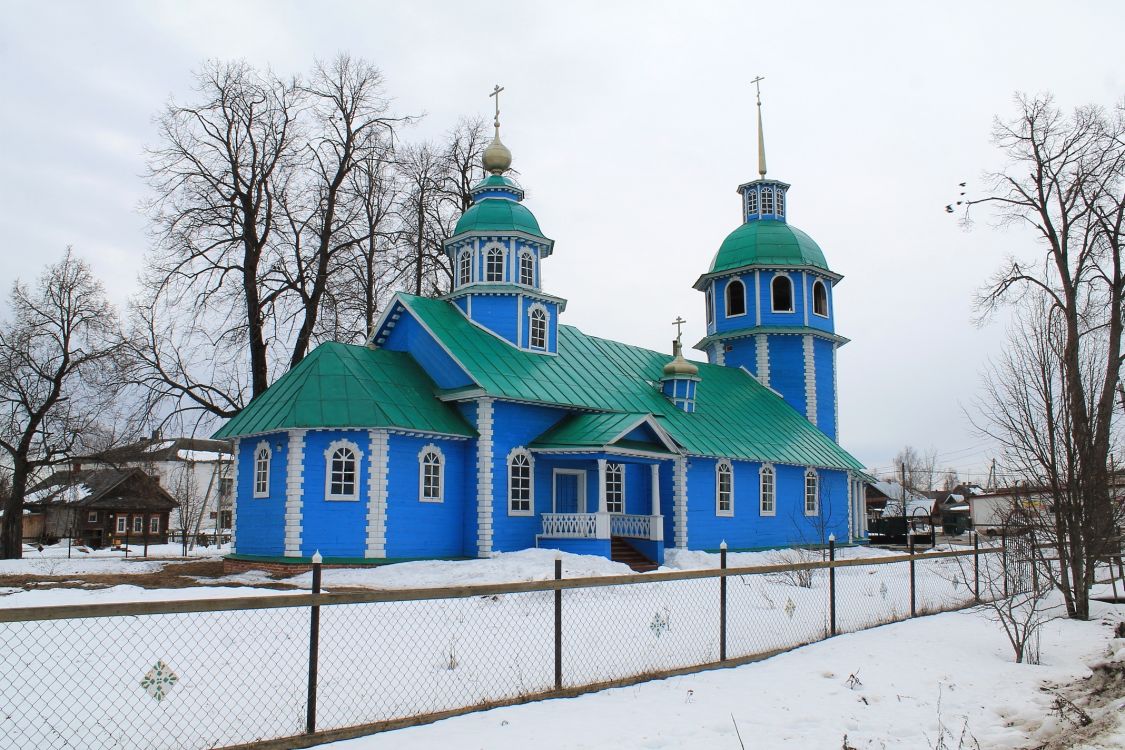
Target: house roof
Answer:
pixel 164 449
pixel 604 430
pixel 735 415
pixel 126 489
pixel 339 385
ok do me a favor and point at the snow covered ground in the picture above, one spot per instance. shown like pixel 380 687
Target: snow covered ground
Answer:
pixel 907 685
pixel 54 560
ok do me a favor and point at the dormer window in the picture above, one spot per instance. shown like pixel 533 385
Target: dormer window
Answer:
pixel 537 330
pixel 781 294
pixel 736 298
pixel 527 269
pixel 494 265
pixel 751 203
pixel 820 298
pixel 767 200
pixel 464 268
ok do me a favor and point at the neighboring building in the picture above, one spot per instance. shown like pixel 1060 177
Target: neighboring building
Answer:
pixel 478 423
pixel 103 507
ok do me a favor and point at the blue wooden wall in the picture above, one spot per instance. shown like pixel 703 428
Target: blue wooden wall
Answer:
pixel 260 522
pixel 409 336
pixel 337 528
pixel 425 529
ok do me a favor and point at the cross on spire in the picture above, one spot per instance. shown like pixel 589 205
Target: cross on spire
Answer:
pixel 496 93
pixel 679 322
pixel 761 135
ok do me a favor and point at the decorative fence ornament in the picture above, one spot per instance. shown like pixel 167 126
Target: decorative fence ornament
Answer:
pixel 159 680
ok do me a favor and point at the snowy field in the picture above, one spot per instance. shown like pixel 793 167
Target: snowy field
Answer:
pixel 54 560
pixel 241 675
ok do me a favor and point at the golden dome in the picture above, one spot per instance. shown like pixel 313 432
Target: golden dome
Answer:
pixel 679 366
pixel 497 157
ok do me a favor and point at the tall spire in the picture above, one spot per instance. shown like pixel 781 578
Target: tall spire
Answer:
pixel 497 158
pixel 761 135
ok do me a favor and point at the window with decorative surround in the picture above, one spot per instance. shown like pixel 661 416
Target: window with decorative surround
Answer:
pixel 781 294
pixel 519 483
pixel 262 470
pixel 768 490
pixel 138 524
pixel 812 493
pixel 154 524
pixel 751 203
pixel 820 298
pixel 780 202
pixel 527 269
pixel 736 298
pixel 494 265
pixel 767 200
pixel 122 524
pixel 615 488
pixel 724 489
pixel 710 306
pixel 465 268
pixel 431 479
pixel 537 331
pixel 342 480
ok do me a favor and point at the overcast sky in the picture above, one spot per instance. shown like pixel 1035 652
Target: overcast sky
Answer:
pixel 631 125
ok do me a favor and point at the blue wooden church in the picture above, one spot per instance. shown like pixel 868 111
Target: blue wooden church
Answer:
pixel 479 423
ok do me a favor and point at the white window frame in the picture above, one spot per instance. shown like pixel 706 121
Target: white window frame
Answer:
pixel 823 286
pixel 792 294
pixel 530 258
pixel 710 301
pixel 538 308
pixel 719 470
pixel 122 523
pixel 767 472
pixel 615 487
pixel 329 453
pixel 154 525
pixel 258 449
pixel 814 509
pixel 727 298
pixel 435 451
pixel 138 521
pixel 767 198
pixel 752 203
pixel 491 252
pixel 779 201
pixel 530 499
pixel 465 267
pixel 92 517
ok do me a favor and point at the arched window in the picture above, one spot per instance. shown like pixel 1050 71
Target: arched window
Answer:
pixel 431 471
pixel 736 298
pixel 494 265
pixel 768 492
pixel 767 200
pixel 519 483
pixel 781 293
pixel 710 297
pixel 262 470
pixel 342 471
pixel 780 202
pixel 820 298
pixel 724 489
pixel 615 488
pixel 751 203
pixel 465 267
pixel 812 494
pixel 527 269
pixel 537 330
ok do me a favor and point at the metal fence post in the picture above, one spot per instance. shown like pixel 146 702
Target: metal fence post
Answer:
pixel 558 624
pixel 314 645
pixel 723 603
pixel 913 600
pixel 976 566
pixel 831 585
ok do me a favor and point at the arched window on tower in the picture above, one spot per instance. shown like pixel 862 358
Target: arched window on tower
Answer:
pixel 537 329
pixel 494 265
pixel 767 200
pixel 780 202
pixel 527 269
pixel 781 294
pixel 736 298
pixel 710 302
pixel 464 267
pixel 820 298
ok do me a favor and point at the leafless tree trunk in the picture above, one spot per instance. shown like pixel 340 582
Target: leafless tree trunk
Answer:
pixel 1051 400
pixel 60 373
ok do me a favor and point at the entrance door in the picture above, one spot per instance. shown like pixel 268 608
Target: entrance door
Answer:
pixel 566 493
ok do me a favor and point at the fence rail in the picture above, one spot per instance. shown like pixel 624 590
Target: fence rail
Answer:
pixel 227 672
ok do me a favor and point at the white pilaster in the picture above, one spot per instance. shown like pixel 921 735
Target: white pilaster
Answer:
pixel 762 349
pixel 835 396
pixel 851 507
pixel 679 501
pixel 805 296
pixel 720 353
pixel 294 479
pixel 484 477
pixel 603 505
pixel 377 469
pixel 655 468
pixel 810 379
pixel 233 497
pixel 757 298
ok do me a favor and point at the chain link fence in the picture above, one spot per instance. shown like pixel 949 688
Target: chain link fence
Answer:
pixel 314 667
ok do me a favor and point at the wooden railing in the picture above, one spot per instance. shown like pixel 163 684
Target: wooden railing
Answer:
pixel 636 526
pixel 570 525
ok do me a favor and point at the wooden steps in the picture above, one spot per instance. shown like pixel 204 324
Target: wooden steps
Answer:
pixel 623 552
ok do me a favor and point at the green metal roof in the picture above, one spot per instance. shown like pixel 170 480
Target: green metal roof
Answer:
pixel 735 415
pixel 740 333
pixel 767 243
pixel 589 429
pixel 498 215
pixel 338 385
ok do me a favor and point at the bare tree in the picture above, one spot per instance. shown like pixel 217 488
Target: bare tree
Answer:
pixel 60 375
pixel 1051 401
pixel 917 469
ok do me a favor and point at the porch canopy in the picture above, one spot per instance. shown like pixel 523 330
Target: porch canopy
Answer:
pixel 605 438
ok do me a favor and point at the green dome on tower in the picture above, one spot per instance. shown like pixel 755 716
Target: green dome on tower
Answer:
pixel 767 243
pixel 498 215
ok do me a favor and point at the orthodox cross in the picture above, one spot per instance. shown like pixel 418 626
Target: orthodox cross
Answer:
pixel 678 322
pixel 758 88
pixel 496 93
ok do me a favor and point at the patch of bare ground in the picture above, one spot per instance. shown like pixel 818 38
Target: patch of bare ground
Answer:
pixel 173 575
pixel 1090 708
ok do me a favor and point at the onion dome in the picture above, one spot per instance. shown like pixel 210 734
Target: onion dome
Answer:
pixel 497 158
pixel 679 367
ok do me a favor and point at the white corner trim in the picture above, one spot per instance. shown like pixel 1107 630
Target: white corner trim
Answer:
pixel 484 476
pixel 377 470
pixel 810 379
pixel 679 501
pixel 431 448
pixel 233 496
pixel 762 353
pixel 294 493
